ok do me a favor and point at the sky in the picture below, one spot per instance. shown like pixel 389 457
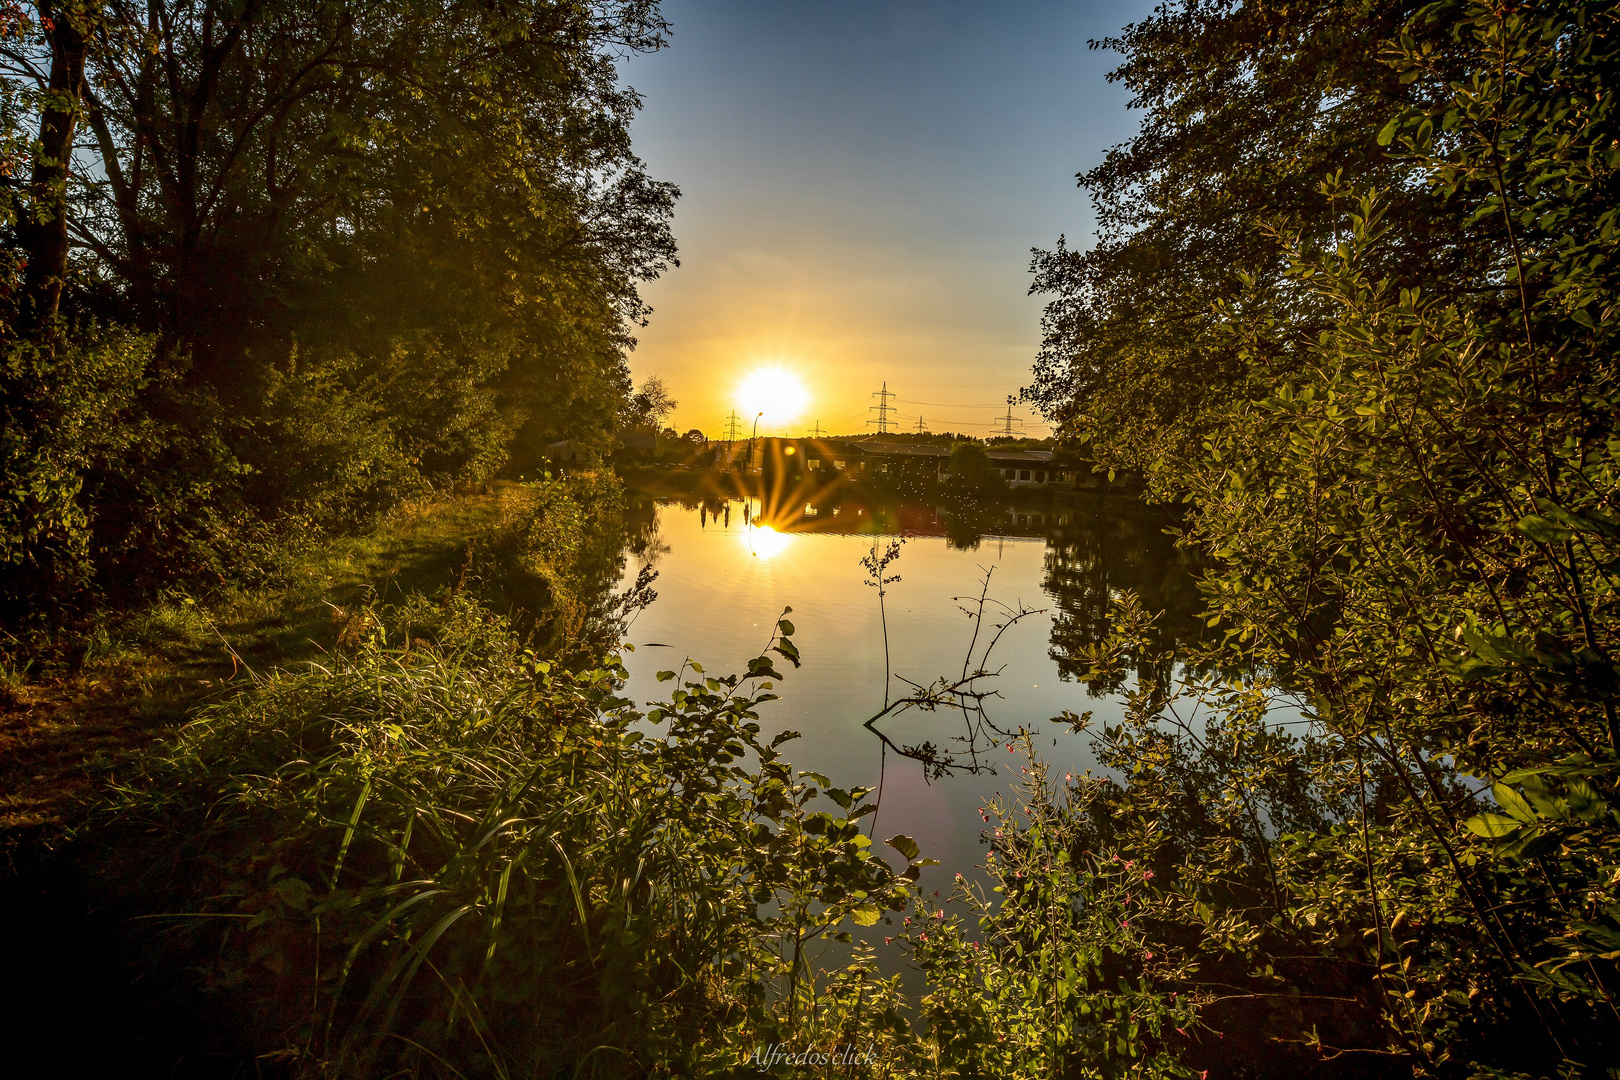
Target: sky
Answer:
pixel 862 182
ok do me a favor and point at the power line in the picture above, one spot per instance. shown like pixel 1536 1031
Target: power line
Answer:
pixel 882 408
pixel 817 434
pixel 920 428
pixel 732 425
pixel 949 404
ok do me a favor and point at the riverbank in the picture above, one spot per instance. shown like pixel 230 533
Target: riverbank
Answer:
pixel 193 890
pixel 72 718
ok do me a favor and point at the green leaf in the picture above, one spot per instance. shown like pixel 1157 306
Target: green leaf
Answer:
pixel 789 650
pixel 665 676
pixel 904 844
pixel 1513 803
pixel 1492 826
pixel 866 915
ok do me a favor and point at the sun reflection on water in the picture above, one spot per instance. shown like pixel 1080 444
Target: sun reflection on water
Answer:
pixel 765 542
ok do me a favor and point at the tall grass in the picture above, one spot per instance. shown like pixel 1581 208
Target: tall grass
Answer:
pixel 457 858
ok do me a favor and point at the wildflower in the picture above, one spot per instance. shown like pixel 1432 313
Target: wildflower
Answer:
pixel 1069 776
pixel 1182 1032
pixel 1009 748
pixel 940 914
pixel 887 940
pixel 1130 863
pixel 922 937
pixel 958 877
pixel 1148 876
pixel 1147 954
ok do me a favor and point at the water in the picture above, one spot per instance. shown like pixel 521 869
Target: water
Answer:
pixel 726 573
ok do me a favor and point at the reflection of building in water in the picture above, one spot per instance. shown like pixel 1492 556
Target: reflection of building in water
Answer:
pixel 854 459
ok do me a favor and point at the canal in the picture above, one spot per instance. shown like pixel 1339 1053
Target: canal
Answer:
pixel 727 567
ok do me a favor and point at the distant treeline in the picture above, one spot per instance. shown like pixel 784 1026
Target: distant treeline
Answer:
pixel 268 269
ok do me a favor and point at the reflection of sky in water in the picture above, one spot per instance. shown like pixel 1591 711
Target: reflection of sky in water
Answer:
pixel 721 585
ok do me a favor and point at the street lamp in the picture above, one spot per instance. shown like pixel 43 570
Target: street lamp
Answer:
pixel 752 438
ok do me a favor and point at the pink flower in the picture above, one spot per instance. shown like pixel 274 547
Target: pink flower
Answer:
pixel 1181 1032
pixel 1147 955
pixel 887 940
pixel 1009 748
pixel 1130 864
pixel 908 920
pixel 1205 1074
pixel 940 914
pixel 922 937
pixel 1148 876
pixel 1069 777
pixel 958 877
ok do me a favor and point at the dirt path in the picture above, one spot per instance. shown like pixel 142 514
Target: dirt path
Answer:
pixel 65 735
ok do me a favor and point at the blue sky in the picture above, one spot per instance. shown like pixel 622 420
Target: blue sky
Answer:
pixel 861 185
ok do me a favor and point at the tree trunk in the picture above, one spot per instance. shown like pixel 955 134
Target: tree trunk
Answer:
pixel 44 231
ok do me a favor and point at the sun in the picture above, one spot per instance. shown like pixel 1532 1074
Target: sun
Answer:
pixel 774 392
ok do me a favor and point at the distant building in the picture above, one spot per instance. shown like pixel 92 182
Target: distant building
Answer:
pixel 1029 468
pixel 639 439
pixel 569 452
pixel 855 458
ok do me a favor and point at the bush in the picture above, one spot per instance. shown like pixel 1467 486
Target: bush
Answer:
pixel 452 851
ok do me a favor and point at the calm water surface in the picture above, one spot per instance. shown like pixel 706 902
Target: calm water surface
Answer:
pixel 724 578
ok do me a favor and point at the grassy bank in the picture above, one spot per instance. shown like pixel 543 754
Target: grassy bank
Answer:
pixel 72 716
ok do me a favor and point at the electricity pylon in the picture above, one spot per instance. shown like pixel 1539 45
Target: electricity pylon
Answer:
pixel 1007 421
pixel 883 409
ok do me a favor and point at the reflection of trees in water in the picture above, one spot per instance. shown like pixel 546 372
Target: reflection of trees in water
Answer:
pixel 641 536
pixel 1101 550
pixel 1097 546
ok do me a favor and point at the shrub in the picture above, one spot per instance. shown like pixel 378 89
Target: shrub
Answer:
pixel 457 852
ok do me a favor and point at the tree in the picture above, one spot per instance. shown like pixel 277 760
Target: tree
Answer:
pixel 971 474
pixel 1245 108
pixel 1407 471
pixel 649 406
pixel 378 245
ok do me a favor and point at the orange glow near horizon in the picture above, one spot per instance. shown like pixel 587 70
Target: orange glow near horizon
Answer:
pixel 775 394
